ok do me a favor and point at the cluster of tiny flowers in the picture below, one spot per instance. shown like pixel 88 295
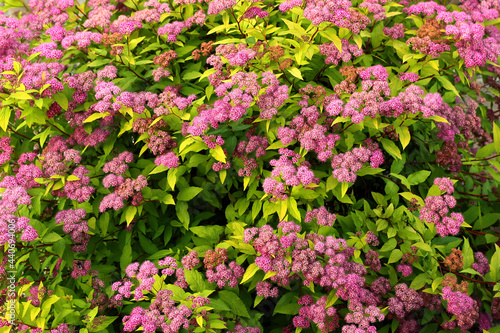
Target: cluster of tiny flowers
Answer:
pixel 190 260
pixel 291 175
pixel 254 12
pixel 324 317
pixel 463 307
pixel 168 160
pixel 233 105
pixel 255 143
pixel 365 103
pixel 80 268
pixel 362 317
pixel 375 7
pixel 274 97
pixel 482 266
pixel 411 77
pixel 405 301
pixel 73 224
pixel 217 6
pixel 144 274
pixel 437 208
pixel 79 189
pixel 334 55
pixel 162 313
pixel 322 217
pixel 6 149
pixel 347 164
pixel 223 274
pixel 396 32
pixel 264 289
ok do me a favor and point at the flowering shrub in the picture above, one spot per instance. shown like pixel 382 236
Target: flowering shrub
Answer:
pixel 249 166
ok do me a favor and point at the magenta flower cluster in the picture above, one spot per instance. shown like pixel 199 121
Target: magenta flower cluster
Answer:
pixel 436 209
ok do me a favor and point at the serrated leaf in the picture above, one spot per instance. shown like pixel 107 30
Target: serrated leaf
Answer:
pixel 234 303
pixel 218 154
pixel 95 116
pixel 296 72
pixel 496 137
pixel 447 84
pixel 189 193
pixel 418 177
pixel 249 273
pixel 391 148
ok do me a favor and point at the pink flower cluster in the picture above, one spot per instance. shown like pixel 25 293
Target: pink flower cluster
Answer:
pixel 482 266
pixel 264 289
pixel 345 165
pixel 169 160
pixel 375 7
pixel 80 268
pixel 274 97
pixel 254 12
pixel 334 56
pixel 427 8
pixel 73 224
pixel 291 175
pixel 396 32
pixel 223 274
pixel 144 274
pixel 255 143
pixel 437 208
pixel 324 317
pixel 79 189
pixel 367 102
pixel 463 307
pixel 321 215
pixel 405 301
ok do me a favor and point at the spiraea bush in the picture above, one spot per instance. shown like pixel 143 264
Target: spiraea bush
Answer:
pixel 249 166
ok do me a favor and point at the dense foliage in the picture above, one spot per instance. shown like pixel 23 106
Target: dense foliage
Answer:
pixel 249 166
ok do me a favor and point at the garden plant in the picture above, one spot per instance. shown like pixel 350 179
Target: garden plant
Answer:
pixel 249 166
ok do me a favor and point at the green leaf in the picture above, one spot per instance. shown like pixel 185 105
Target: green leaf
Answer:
pixel 396 255
pixel 423 246
pixel 486 221
pixel 34 260
pixel 196 281
pixel 21 95
pixel 188 193
pixel 95 116
pixel 126 256
pixel 296 72
pixel 218 154
pixel 130 214
pixel 62 100
pixel 377 34
pixel 182 213
pixel 51 238
pixel 420 281
pixel 147 245
pixel 249 273
pixel 495 264
pixel 418 177
pixel 467 254
pixel 234 303
pixel 496 137
pixel 5 117
pixel 447 84
pixel 408 196
pixel 391 148
pixel 287 304
pixel 404 136
pixel 389 245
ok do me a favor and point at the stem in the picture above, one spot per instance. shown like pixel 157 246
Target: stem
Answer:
pixel 238 22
